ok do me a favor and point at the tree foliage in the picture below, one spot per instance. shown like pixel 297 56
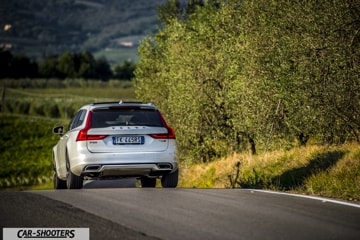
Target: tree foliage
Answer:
pixel 67 65
pixel 18 66
pixel 125 70
pixel 237 75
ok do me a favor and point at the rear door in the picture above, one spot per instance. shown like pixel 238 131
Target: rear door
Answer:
pixel 127 129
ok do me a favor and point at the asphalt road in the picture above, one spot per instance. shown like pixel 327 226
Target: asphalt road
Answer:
pixel 135 213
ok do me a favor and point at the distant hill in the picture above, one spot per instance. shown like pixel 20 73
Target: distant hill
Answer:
pixel 110 28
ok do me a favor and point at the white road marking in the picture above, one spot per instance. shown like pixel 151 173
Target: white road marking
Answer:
pixel 324 200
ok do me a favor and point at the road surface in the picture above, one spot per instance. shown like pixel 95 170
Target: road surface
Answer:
pixel 178 214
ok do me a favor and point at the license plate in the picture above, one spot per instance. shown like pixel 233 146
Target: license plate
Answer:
pixel 123 140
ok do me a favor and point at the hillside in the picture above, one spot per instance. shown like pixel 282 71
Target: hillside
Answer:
pixel 110 28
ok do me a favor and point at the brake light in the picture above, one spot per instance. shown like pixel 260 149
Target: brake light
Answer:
pixel 160 136
pixel 93 137
pixel 169 135
pixel 83 133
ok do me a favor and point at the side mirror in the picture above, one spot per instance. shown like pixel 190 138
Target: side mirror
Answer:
pixel 58 130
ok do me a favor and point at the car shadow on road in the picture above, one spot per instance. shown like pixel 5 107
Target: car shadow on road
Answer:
pixel 118 183
pixel 296 177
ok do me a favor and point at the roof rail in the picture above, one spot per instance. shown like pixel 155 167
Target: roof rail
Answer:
pixel 121 102
pixel 97 103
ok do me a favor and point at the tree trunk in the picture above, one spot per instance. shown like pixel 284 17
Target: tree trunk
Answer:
pixel 252 145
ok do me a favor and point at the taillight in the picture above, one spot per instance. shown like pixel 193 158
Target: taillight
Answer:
pixel 95 137
pixel 171 132
pixel 82 136
pixel 83 133
pixel 169 135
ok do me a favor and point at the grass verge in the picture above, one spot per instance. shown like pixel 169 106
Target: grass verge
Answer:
pixel 329 171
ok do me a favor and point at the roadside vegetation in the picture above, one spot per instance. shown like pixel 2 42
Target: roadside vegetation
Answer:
pixel 329 171
pixel 279 80
pixel 259 76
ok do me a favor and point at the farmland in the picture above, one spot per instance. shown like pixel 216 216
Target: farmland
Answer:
pixel 59 99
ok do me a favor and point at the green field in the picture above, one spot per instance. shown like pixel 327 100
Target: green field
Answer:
pixel 25 149
pixel 59 100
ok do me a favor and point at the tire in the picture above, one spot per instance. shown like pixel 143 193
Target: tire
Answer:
pixel 58 183
pixel 73 181
pixel 147 182
pixel 170 180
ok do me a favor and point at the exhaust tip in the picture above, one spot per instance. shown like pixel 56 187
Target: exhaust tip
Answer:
pixel 92 168
pixel 164 166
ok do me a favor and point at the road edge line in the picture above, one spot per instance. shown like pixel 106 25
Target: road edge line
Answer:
pixel 324 200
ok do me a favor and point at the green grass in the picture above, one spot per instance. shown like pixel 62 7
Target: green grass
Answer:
pixel 342 180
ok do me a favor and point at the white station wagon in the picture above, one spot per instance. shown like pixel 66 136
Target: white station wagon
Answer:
pixel 115 140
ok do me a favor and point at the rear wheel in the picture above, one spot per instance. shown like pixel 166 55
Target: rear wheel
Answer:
pixel 147 182
pixel 73 181
pixel 58 183
pixel 170 180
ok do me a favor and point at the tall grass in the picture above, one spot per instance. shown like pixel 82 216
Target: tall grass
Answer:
pixel 331 171
pixel 342 180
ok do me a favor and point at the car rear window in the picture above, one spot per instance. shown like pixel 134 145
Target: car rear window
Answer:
pixel 105 117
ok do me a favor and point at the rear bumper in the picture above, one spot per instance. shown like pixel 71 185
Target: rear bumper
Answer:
pixel 117 165
pixel 127 170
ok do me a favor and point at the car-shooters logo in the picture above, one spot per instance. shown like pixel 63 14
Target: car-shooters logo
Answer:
pixel 46 233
